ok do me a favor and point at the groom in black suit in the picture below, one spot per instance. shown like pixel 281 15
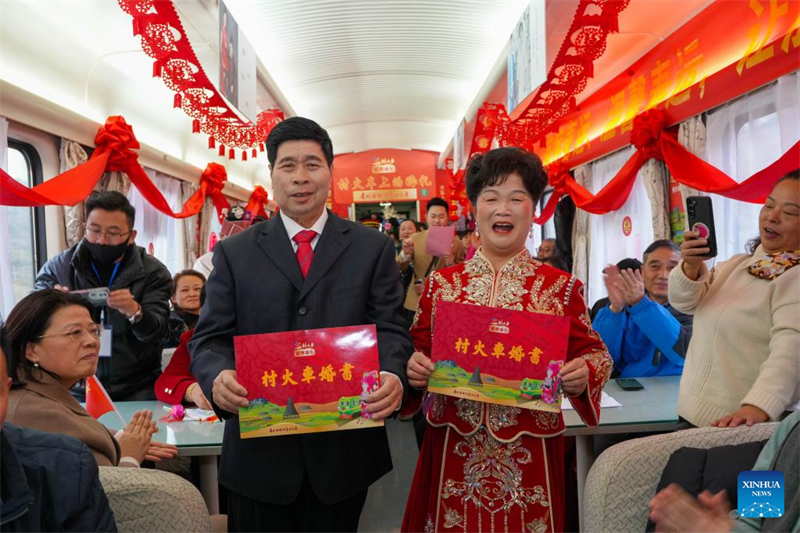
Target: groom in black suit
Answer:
pixel 304 269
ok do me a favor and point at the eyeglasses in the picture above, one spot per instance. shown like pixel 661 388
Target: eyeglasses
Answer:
pixel 110 235
pixel 78 334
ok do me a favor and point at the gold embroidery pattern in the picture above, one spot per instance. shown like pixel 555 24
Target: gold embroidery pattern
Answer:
pixel 452 518
pixel 539 525
pixel 481 279
pixel 469 411
pixel 546 300
pixel 493 479
pixel 429 525
pixel 511 288
pixel 586 321
pixel 439 403
pixel 546 420
pixel 502 416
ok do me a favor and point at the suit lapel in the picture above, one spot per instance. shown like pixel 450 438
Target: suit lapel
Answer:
pixel 274 241
pixel 331 244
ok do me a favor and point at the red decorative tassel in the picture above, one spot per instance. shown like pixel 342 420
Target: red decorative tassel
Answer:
pixel 261 147
pixel 222 150
pixel 195 126
pixel 255 154
pixel 156 69
pixel 244 155
pixel 231 154
pixel 211 142
pixel 136 29
pixel 177 101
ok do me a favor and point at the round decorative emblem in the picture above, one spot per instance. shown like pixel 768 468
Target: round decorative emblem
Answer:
pixel 627 226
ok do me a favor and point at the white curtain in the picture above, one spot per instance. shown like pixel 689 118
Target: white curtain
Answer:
pixel 161 235
pixel 744 136
pixel 609 242
pixel 6 280
pixel 581 243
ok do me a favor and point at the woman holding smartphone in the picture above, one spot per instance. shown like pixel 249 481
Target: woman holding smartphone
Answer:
pixel 743 364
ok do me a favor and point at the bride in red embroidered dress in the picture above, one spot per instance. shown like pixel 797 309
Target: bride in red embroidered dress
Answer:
pixel 486 467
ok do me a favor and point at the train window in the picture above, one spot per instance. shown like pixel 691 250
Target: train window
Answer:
pixel 743 137
pixel 22 228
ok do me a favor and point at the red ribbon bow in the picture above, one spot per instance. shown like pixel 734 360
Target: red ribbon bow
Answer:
pixel 257 202
pixel 647 129
pixel 116 138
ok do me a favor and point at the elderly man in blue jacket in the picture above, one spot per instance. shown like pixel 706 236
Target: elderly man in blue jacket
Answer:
pixel 644 334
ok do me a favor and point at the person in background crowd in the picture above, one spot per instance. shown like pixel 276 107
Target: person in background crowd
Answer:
pixel 629 263
pixel 177 384
pixel 474 244
pixel 413 253
pixel 675 510
pixel 408 228
pixel 464 236
pixel 546 249
pixel 49 482
pixel 645 335
pixel 138 305
pixel 489 464
pixel 291 268
pixel 742 366
pixel 187 286
pixel 556 262
pixel 52 343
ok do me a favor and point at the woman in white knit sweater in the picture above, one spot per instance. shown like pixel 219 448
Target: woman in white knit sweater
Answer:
pixel 743 363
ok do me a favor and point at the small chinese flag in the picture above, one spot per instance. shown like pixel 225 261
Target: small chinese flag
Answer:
pixel 98 402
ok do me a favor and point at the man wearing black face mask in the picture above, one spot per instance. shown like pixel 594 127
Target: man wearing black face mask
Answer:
pixel 137 308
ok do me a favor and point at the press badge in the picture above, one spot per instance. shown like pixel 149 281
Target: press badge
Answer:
pixel 106 340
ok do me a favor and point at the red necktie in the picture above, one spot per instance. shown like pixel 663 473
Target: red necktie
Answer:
pixel 305 253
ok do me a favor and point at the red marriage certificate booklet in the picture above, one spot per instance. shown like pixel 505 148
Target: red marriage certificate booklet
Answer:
pixel 307 381
pixel 498 355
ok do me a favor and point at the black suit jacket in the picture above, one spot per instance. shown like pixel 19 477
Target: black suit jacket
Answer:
pixel 256 287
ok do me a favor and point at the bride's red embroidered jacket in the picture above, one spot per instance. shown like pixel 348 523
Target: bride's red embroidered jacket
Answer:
pixel 523 284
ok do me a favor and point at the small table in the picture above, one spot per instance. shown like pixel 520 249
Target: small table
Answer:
pixel 654 408
pixel 193 439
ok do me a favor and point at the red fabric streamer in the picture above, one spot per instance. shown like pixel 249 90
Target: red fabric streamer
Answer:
pixel 258 201
pixel 652 140
pixel 115 143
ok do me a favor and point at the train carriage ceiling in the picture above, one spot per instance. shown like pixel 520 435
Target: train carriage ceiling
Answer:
pixel 376 74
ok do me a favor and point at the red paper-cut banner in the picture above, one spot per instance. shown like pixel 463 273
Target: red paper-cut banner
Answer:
pixel 156 22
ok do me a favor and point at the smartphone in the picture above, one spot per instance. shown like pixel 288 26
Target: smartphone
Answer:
pixel 97 296
pixel 701 219
pixel 629 384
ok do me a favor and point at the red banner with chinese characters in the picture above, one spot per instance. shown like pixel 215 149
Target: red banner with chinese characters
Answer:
pixel 386 175
pixel 499 356
pixel 725 51
pixel 307 381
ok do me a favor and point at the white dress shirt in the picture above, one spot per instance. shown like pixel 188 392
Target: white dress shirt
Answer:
pixel 293 228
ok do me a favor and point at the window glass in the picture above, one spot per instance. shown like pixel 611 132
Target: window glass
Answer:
pixel 21 237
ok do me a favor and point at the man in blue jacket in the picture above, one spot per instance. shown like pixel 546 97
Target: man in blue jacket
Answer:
pixel 644 334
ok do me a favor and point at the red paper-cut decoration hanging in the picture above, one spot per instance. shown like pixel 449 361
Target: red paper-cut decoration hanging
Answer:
pixel 584 43
pixel 156 22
